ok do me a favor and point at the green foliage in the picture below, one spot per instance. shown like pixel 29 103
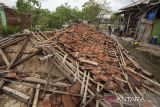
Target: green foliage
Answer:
pixel 10 30
pixel 93 9
pixel 64 14
pixel 4 31
pixel 26 6
pixel 41 18
pixel 116 18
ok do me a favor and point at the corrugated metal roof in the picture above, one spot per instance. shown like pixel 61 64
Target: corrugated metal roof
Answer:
pixel 136 3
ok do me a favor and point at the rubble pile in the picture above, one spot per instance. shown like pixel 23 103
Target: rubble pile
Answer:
pixel 76 66
pixel 84 43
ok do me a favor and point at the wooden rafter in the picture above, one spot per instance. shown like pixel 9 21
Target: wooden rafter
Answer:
pixel 12 42
pixel 19 53
pixel 4 57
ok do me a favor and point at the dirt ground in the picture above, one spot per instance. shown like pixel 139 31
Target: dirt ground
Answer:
pixel 146 61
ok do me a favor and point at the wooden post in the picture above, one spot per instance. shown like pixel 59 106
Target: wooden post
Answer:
pixel 128 24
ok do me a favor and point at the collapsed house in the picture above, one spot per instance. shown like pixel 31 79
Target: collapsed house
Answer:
pixel 141 20
pixel 76 66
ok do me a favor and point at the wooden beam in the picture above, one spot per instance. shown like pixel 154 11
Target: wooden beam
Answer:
pixel 4 57
pixel 127 30
pixel 30 102
pixel 12 42
pixel 25 58
pixel 88 62
pixel 46 57
pixel 35 101
pixel 43 82
pixel 19 53
pixel 16 94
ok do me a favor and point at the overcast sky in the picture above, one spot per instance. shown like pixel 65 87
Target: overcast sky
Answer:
pixel 52 4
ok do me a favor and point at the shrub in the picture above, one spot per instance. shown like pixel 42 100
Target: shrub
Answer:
pixel 4 30
pixel 10 30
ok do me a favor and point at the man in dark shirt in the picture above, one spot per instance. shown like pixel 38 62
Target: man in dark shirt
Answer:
pixel 109 30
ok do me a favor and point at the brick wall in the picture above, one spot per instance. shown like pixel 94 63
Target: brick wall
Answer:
pixel 17 20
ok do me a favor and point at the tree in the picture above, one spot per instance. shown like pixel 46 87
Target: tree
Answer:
pixel 27 6
pixel 41 18
pixel 116 18
pixel 92 9
pixel 64 14
pixel 76 14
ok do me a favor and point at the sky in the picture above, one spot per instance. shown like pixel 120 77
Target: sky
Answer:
pixel 52 4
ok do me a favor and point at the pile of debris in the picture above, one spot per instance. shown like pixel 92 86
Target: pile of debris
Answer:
pixel 73 67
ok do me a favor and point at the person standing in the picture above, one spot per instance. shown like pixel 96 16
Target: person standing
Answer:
pixel 109 30
pixel 121 31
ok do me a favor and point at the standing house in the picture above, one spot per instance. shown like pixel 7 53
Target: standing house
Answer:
pixel 8 17
pixel 142 17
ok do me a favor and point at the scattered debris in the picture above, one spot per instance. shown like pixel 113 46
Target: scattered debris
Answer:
pixel 73 67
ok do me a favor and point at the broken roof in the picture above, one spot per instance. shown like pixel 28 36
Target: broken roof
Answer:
pixel 91 63
pixel 135 4
pixel 136 7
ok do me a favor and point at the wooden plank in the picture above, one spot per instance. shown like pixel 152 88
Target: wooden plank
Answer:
pixel 43 82
pixel 12 42
pixel 36 97
pixel 88 62
pixel 46 57
pixel 30 102
pixel 47 69
pixel 14 93
pixel 19 53
pixel 4 57
pixel 147 73
pixel 6 41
